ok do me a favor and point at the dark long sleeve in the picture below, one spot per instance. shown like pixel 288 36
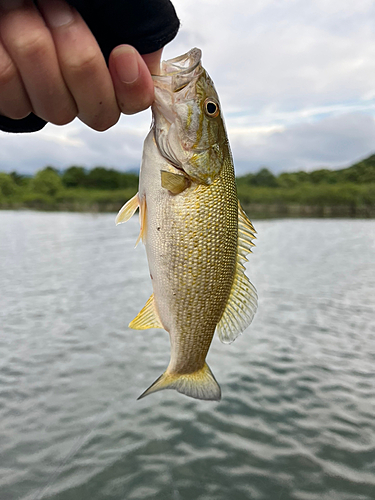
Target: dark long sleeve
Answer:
pixel 147 25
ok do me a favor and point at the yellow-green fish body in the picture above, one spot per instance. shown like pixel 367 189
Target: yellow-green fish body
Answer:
pixel 195 233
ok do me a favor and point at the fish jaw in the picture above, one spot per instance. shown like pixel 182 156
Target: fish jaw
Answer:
pixel 176 73
pixel 175 85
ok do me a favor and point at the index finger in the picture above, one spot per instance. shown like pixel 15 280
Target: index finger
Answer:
pixel 82 65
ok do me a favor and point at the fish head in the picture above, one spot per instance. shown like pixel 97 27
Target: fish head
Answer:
pixel 188 123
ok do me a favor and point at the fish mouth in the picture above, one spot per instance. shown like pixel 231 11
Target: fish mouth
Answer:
pixel 182 64
pixel 178 72
pixel 175 85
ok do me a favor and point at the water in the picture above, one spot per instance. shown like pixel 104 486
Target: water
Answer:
pixel 297 416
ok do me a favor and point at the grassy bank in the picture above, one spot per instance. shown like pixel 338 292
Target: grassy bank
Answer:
pixel 70 200
pixel 306 200
pixel 347 192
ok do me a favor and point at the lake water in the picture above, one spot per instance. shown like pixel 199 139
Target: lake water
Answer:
pixel 297 418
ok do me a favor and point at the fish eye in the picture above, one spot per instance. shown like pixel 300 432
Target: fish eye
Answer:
pixel 211 108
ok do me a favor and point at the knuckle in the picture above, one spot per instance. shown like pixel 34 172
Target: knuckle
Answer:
pixel 32 45
pixel 8 73
pixel 19 112
pixel 63 118
pixel 13 101
pixel 102 121
pixel 82 62
pixel 105 124
pixel 132 106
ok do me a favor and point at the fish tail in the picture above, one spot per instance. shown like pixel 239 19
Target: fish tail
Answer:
pixel 199 385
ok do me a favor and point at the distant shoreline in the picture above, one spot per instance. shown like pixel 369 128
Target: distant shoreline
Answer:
pixel 253 210
pixel 348 192
pixel 296 210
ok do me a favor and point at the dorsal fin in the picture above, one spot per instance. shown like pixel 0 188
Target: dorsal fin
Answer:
pixel 243 299
pixel 147 317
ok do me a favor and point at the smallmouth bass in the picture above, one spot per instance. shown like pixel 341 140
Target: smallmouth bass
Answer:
pixel 195 232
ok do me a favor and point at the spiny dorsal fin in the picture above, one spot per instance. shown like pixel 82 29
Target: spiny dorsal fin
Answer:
pixel 243 219
pixel 128 210
pixel 243 298
pixel 175 183
pixel 147 317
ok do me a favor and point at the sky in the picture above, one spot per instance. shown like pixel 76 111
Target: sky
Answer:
pixel 296 81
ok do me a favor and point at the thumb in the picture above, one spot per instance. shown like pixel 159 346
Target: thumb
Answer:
pixel 131 78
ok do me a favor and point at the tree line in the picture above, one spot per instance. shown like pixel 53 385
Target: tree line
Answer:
pixel 50 180
pixel 102 189
pixel 359 173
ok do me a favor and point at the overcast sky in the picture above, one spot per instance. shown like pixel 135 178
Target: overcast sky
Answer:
pixel 296 80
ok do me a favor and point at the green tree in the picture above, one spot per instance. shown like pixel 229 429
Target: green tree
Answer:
pixel 103 178
pixel 287 180
pixel 361 173
pixel 20 180
pixel 128 180
pixel 47 182
pixel 323 176
pixel 7 185
pixel 245 179
pixel 264 178
pixel 74 177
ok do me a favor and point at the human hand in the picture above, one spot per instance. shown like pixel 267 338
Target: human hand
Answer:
pixel 51 64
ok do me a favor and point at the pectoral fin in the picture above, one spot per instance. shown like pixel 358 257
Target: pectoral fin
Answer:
pixel 147 317
pixel 142 220
pixel 128 210
pixel 175 183
pixel 243 298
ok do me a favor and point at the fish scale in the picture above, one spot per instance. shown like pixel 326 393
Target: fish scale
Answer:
pixel 195 233
pixel 205 261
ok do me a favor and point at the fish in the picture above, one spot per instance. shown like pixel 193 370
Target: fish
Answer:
pixel 196 234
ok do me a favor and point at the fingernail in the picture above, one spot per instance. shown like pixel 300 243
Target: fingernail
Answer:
pixel 126 64
pixel 56 13
pixel 11 4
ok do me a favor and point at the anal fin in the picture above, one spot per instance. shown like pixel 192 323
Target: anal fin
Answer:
pixel 147 317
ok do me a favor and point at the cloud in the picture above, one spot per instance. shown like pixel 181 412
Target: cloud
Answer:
pixel 330 143
pixel 75 144
pixel 270 57
pixel 295 80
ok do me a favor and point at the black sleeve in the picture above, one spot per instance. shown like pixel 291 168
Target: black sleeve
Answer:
pixel 147 25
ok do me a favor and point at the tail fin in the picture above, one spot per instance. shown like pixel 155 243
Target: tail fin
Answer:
pixel 200 384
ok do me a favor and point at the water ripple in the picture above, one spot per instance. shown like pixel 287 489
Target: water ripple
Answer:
pixel 296 420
